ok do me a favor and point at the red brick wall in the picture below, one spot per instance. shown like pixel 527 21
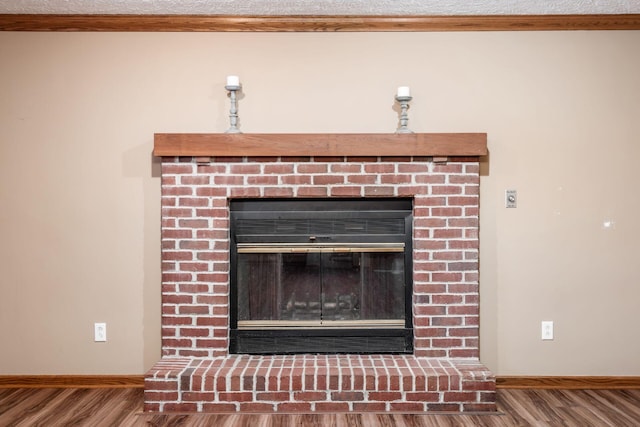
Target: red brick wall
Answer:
pixel 195 240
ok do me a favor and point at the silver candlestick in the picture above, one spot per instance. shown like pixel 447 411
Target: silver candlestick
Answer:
pixel 233 112
pixel 404 115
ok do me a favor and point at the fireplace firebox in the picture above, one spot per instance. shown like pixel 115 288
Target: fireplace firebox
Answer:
pixel 321 276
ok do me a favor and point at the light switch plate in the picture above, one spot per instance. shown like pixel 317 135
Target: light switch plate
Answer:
pixel 510 199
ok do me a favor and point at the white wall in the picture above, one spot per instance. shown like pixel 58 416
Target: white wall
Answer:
pixel 80 190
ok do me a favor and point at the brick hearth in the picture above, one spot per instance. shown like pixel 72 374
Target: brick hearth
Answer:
pixel 320 383
pixel 197 373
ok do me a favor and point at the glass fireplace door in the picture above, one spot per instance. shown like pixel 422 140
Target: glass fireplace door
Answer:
pixel 290 286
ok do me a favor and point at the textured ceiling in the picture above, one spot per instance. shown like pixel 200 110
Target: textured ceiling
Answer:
pixel 323 7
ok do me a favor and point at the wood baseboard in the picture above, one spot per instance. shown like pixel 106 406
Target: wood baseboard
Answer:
pixel 137 381
pixel 573 382
pixel 71 381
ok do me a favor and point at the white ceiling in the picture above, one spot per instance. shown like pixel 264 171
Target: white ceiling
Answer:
pixel 322 7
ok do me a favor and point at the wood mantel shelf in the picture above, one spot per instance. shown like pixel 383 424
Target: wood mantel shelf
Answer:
pixel 315 144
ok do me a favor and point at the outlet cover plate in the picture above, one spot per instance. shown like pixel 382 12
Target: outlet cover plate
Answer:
pixel 547 330
pixel 100 332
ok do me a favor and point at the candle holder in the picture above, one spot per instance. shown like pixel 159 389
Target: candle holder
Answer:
pixel 233 112
pixel 404 115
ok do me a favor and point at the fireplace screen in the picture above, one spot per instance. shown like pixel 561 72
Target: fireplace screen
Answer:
pixel 329 280
pixel 320 286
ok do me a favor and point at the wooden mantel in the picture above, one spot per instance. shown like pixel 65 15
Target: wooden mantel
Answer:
pixel 315 144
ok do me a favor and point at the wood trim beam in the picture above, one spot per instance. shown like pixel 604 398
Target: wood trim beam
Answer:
pixel 571 382
pixel 291 144
pixel 316 23
pixel 71 381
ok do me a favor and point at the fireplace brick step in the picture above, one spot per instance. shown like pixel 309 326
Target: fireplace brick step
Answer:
pixel 319 383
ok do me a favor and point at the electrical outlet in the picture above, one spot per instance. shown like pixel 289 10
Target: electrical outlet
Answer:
pixel 547 330
pixel 100 332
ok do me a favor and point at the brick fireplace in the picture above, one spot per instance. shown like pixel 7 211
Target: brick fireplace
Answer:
pixel 202 174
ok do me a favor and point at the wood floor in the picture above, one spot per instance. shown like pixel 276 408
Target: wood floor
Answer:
pixel 123 406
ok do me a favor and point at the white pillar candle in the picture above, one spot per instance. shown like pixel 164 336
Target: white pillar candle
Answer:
pixel 233 81
pixel 404 91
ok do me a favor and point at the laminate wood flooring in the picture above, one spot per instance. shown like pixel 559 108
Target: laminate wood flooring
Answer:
pixel 123 407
